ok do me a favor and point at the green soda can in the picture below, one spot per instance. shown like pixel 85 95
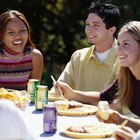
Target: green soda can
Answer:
pixel 41 97
pixel 32 87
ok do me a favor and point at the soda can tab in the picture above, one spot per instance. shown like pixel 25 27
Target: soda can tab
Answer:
pixel 41 97
pixel 49 118
pixel 32 87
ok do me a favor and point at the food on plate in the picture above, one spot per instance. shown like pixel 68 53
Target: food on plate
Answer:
pixel 65 104
pixel 53 98
pixel 74 104
pixel 93 129
pixel 103 110
pixel 77 129
pixel 7 95
pixel 20 98
pixel 96 130
pixel 73 108
pixel 61 105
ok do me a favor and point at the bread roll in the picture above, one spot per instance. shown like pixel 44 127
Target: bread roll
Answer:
pixel 61 105
pixel 103 110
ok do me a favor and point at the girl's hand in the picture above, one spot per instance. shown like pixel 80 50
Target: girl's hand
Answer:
pixel 114 117
pixel 124 133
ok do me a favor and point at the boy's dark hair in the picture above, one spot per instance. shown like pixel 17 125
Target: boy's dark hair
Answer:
pixel 108 12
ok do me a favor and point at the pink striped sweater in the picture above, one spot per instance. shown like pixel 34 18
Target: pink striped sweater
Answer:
pixel 15 71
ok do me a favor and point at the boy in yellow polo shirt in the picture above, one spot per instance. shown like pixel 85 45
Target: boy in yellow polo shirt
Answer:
pixel 94 68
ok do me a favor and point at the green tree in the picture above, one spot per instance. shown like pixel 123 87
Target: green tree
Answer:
pixel 57 26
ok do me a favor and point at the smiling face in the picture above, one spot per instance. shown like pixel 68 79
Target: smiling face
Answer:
pixel 128 50
pixel 96 30
pixel 15 36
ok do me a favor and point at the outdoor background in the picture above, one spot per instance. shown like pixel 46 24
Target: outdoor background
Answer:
pixel 57 27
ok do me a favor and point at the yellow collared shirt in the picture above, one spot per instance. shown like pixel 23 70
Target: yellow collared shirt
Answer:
pixel 86 73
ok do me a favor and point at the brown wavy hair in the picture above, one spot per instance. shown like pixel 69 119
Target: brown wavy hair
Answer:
pixel 124 74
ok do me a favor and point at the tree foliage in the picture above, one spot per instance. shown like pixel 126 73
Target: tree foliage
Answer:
pixel 57 26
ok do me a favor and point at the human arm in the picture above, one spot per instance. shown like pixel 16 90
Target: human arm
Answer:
pixel 110 94
pixel 38 64
pixel 124 133
pixel 117 118
pixel 89 97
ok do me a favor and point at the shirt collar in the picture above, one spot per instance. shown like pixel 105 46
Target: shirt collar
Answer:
pixel 109 59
